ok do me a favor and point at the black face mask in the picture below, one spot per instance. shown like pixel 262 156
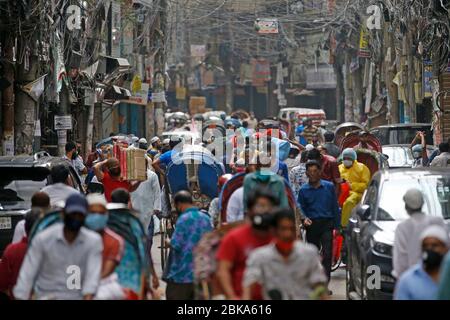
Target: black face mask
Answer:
pixel 72 224
pixel 262 221
pixel 431 259
pixel 74 155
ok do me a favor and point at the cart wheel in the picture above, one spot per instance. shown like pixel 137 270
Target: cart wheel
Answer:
pixel 162 244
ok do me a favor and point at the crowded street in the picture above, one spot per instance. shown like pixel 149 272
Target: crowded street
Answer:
pixel 243 151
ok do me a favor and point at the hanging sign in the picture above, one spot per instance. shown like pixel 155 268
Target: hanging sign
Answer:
pixel 266 26
pixel 63 122
pixel 62 136
pixel 364 50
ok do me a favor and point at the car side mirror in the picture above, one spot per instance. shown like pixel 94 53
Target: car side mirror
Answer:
pixel 363 212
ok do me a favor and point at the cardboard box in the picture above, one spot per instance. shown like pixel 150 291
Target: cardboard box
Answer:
pixel 197 105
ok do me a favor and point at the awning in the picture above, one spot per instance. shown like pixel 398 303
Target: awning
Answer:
pixel 117 93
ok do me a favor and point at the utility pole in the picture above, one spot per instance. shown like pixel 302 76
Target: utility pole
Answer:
pixel 229 96
pixel 8 96
pixel 160 61
pixel 25 107
pixel 390 72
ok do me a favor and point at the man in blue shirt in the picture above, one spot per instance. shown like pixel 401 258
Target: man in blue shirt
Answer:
pixel 420 282
pixel 319 205
pixel 163 161
pixel 191 225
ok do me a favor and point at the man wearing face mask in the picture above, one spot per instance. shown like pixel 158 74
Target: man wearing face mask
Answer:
pixel 239 242
pixel 111 178
pixel 419 151
pixel 190 227
pixel 113 244
pixel 406 251
pixel 357 176
pixel 60 189
pixel 420 282
pixel 264 177
pixel 113 247
pixel 73 157
pixel 58 252
pixel 318 203
pixel 288 267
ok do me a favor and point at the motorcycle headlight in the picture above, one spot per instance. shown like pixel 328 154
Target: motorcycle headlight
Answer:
pixel 382 248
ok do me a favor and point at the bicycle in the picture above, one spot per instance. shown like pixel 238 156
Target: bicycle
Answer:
pixel 167 227
pixel 336 255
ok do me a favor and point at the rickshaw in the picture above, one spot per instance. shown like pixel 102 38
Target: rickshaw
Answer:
pixel 241 114
pixel 368 149
pixel 343 129
pixel 269 124
pixel 194 169
pixel 205 264
pixel 235 183
pixel 133 269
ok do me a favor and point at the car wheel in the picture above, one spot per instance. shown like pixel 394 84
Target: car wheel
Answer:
pixel 363 287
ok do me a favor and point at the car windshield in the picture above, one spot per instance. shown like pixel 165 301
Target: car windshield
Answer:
pixel 17 186
pixel 399 156
pixel 402 135
pixel 436 189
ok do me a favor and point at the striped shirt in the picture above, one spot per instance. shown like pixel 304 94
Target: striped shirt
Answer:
pixel 311 134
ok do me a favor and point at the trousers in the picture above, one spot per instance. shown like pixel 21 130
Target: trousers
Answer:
pixel 353 199
pixel 320 234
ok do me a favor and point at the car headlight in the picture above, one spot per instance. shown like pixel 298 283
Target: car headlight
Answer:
pixel 382 248
pixel 386 278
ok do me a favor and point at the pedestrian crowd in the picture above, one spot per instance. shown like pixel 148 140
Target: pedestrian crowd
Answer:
pixel 260 252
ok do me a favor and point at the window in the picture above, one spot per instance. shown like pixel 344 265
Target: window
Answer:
pixel 436 190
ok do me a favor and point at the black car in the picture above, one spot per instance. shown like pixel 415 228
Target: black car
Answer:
pixel 371 230
pixel 20 178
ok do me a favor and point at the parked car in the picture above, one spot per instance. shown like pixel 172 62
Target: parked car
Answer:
pixel 402 133
pixel 371 230
pixel 20 178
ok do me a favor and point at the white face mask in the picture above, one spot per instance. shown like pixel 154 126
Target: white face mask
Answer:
pixel 348 163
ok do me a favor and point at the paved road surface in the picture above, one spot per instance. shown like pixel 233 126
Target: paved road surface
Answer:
pixel 337 284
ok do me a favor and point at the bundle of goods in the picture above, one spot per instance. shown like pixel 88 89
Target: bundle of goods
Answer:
pixel 133 165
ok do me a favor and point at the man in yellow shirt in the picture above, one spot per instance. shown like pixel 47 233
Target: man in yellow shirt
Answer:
pixel 358 176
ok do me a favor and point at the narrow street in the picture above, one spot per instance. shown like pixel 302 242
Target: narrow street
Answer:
pixel 337 284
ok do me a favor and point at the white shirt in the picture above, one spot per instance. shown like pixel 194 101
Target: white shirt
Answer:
pixel 77 164
pixel 50 260
pixel 407 249
pixel 235 208
pixel 19 231
pixel 294 278
pixel 58 193
pixel 147 198
pixel 442 160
